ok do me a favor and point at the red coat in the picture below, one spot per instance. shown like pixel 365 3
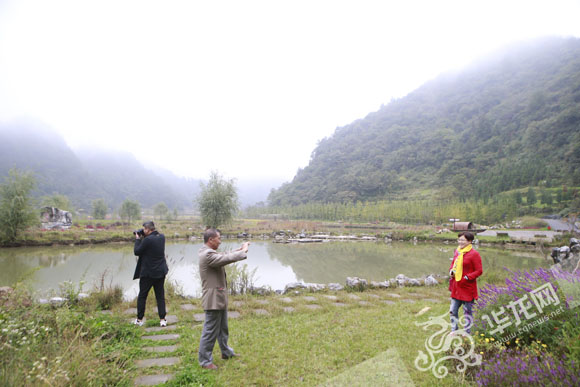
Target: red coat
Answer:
pixel 466 290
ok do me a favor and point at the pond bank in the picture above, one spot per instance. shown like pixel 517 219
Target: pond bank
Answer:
pixel 81 237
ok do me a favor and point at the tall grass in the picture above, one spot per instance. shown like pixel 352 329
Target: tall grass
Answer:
pixel 41 345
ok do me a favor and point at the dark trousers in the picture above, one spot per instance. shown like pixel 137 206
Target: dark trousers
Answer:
pixel 145 285
pixel 215 328
pixel 467 313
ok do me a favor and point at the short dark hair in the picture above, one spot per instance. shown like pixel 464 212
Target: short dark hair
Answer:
pixel 210 233
pixel 149 225
pixel 469 236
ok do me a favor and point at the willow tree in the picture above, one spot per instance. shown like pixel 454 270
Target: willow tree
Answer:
pixel 217 201
pixel 16 210
pixel 99 209
pixel 130 210
pixel 161 211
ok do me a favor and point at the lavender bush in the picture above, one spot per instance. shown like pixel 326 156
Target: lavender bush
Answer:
pixel 515 367
pixel 545 327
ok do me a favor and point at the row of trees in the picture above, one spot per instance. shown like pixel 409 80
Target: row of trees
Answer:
pixel 217 204
pixel 497 209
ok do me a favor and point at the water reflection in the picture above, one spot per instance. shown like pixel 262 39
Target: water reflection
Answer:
pixel 277 264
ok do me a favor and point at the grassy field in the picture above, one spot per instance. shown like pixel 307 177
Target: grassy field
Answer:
pixel 363 335
pixel 333 338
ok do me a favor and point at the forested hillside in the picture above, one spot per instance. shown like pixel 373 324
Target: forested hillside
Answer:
pixel 509 121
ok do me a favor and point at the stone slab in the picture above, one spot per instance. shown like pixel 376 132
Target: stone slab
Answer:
pixel 313 306
pixel 374 296
pixel 409 301
pixel 388 302
pixel 161 348
pixel 130 311
pixel 353 297
pixel 286 300
pixel 171 319
pixel 200 316
pixel 109 312
pixel 423 311
pixel 187 307
pixel 263 302
pixel 171 336
pixel 310 298
pixel 288 309
pixel 364 303
pixel 393 295
pixel 261 312
pixel 159 329
pixel 153 380
pixel 160 362
pixel 432 300
pixel 238 304
pixel 338 304
pixel 233 314
pixel 333 298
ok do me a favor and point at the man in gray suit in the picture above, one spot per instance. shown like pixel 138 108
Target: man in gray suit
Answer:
pixel 215 296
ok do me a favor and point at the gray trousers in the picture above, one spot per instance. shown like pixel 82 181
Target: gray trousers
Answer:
pixel 214 327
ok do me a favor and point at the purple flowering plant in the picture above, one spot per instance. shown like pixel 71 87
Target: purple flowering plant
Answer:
pixel 545 327
pixel 518 367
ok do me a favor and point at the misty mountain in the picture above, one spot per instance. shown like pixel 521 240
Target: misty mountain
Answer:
pixel 86 174
pixel 255 190
pixel 510 120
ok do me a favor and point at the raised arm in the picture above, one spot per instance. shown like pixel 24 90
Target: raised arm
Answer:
pixel 140 246
pixel 215 259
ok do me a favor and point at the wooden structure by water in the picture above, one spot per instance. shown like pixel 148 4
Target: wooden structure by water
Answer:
pixel 466 226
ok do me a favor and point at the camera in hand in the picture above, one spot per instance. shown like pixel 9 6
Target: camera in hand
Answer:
pixel 139 232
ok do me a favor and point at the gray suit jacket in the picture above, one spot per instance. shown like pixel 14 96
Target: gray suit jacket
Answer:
pixel 213 276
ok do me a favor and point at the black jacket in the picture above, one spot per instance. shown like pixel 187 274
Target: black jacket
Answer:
pixel 151 253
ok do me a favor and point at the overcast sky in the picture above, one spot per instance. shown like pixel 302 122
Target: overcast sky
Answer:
pixel 247 88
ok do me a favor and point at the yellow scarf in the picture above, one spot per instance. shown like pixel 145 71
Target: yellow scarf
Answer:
pixel 458 265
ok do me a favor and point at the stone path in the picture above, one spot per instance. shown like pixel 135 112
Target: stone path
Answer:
pixel 152 380
pixel 161 362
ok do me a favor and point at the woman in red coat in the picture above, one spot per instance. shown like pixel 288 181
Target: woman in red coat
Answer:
pixel 464 270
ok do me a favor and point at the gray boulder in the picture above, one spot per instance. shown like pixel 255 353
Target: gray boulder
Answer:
pixel 261 290
pixel 402 280
pixel 431 281
pixel 383 284
pixel 294 286
pixel 335 286
pixel 355 282
pixel 315 287
pixel 57 301
pixel 413 282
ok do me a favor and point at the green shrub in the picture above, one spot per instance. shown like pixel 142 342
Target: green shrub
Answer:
pixel 108 298
pixel 41 345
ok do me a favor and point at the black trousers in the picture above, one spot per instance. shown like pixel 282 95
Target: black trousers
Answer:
pixel 145 285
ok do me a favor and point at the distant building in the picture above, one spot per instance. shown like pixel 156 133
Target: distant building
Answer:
pixel 465 226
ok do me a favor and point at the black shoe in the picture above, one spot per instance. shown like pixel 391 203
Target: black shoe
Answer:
pixel 229 357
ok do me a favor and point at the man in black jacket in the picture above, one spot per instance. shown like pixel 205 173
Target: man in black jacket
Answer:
pixel 151 270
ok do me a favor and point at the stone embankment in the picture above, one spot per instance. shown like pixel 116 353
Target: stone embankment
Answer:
pixel 352 283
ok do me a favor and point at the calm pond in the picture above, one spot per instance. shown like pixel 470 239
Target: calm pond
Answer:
pixel 277 264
